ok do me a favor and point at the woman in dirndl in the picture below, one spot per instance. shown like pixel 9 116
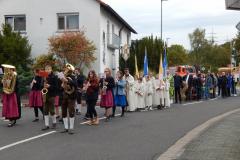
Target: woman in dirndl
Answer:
pixel 35 97
pixel 119 92
pixel 107 99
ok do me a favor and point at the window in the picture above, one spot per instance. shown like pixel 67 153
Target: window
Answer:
pixel 113 29
pixel 108 32
pixel 128 39
pixel 17 22
pixel 69 21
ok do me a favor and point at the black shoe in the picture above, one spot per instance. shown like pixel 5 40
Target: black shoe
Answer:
pixel 35 120
pixel 64 131
pixel 54 125
pixel 12 123
pixel 45 128
pixel 70 131
pixel 113 115
pixel 122 115
pixel 60 120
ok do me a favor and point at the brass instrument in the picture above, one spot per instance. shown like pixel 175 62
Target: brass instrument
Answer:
pixel 9 79
pixel 44 91
pixel 69 69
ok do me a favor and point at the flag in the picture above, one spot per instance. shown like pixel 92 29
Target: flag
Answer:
pixel 165 64
pixel 145 63
pixel 136 67
pixel 160 74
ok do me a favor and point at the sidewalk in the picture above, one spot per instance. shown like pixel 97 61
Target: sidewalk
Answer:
pixel 219 142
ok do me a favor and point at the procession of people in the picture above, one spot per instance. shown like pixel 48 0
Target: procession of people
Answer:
pixel 71 91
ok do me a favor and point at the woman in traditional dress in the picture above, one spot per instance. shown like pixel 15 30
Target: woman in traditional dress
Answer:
pixel 107 98
pixel 119 92
pixel 11 100
pixel 35 97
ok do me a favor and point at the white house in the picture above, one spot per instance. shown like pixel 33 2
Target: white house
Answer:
pixel 41 19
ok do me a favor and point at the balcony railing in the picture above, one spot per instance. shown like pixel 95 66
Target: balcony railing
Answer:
pixel 113 41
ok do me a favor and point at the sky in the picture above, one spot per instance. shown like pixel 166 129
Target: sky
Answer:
pixel 179 18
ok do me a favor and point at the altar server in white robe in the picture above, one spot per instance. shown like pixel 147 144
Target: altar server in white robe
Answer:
pixel 148 93
pixel 135 95
pixel 156 101
pixel 161 88
pixel 166 93
pixel 152 78
pixel 129 90
pixel 140 91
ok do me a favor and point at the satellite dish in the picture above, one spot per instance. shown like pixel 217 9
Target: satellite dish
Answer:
pixel 238 26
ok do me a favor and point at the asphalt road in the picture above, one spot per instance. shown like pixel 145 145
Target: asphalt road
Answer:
pixel 137 136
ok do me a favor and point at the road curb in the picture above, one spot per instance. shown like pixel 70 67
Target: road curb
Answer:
pixel 177 149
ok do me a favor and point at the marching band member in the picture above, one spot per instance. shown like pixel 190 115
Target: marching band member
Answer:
pixel 140 90
pixel 69 86
pixel 148 93
pixel 35 96
pixel 11 100
pixel 119 92
pixel 92 90
pixel 50 87
pixel 80 81
pixel 107 99
pixel 166 93
pixel 129 90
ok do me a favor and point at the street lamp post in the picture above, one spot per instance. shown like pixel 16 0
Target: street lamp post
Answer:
pixel 161 17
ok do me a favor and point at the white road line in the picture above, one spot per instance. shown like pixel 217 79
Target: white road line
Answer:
pixel 177 149
pixel 99 119
pixel 192 103
pixel 26 140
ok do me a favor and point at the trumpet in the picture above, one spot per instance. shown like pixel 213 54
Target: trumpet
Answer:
pixel 44 91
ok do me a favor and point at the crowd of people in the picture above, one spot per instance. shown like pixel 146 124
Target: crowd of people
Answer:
pixel 205 86
pixel 71 91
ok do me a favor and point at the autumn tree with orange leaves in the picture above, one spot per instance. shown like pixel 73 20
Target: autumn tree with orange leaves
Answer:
pixel 73 47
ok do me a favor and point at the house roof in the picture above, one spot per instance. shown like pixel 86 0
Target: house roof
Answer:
pixel 108 8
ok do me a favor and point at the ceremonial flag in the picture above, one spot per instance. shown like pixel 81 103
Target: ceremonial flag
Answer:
pixel 136 67
pixel 145 63
pixel 165 65
pixel 160 74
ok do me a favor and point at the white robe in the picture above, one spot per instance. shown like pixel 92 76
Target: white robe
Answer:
pixel 140 89
pixel 148 93
pixel 162 87
pixel 156 100
pixel 134 98
pixel 166 93
pixel 130 92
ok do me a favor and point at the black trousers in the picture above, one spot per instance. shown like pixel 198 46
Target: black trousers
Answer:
pixel 36 111
pixel 177 94
pixel 224 91
pixel 91 109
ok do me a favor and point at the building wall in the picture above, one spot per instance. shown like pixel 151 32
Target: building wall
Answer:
pixel 39 31
pixel 112 56
pixel 41 23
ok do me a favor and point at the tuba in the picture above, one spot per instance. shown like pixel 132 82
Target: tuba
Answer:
pixel 9 79
pixel 69 69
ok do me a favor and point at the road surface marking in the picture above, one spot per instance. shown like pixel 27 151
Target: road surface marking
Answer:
pixel 192 103
pixel 86 122
pixel 26 140
pixel 177 149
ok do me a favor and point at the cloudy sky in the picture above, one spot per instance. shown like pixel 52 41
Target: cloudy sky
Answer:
pixel 180 17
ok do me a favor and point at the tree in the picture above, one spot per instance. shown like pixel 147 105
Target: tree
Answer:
pixel 198 44
pixel 74 47
pixel 16 50
pixel 46 59
pixel 177 55
pixel 154 48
